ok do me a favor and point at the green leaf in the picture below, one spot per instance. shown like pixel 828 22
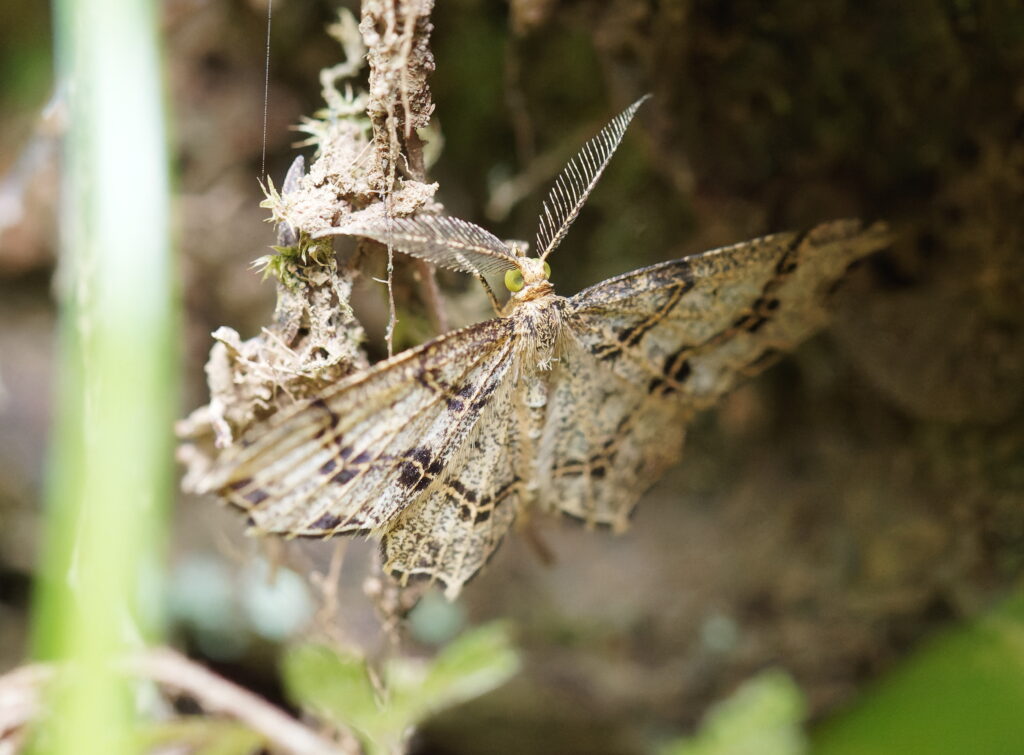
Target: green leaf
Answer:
pixel 763 717
pixel 961 692
pixel 477 662
pixel 334 685
pixel 338 687
pixel 201 736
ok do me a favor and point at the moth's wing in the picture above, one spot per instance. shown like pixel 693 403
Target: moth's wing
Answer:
pixel 448 534
pixel 695 326
pixel 673 338
pixel 604 442
pixel 369 445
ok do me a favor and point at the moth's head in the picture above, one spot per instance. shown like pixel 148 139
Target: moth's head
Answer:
pixel 529 279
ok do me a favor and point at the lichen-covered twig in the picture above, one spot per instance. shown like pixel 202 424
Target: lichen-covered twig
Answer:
pixel 397 36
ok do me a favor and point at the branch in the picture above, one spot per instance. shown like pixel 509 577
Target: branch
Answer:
pixel 20 700
pixel 214 693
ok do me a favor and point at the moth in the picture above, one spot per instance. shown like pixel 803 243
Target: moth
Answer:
pixel 573 405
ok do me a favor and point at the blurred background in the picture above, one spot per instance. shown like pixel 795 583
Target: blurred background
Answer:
pixel 853 519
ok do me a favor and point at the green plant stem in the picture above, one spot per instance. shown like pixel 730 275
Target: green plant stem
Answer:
pixel 110 465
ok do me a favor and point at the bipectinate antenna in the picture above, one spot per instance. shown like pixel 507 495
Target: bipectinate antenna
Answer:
pixel 577 180
pixel 446 241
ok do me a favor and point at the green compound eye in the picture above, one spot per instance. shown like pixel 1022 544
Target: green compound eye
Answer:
pixel 514 280
pixel 547 270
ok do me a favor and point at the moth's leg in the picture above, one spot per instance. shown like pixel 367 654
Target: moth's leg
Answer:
pixel 432 295
pixel 490 293
pixel 531 534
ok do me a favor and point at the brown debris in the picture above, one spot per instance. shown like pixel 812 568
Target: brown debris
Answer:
pixel 315 338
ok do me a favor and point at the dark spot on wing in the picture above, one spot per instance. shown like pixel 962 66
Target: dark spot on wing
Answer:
pixel 344 476
pixel 751 323
pixel 484 397
pixel 257 496
pixel 606 351
pixel 632 335
pixel 785 266
pixel 456 402
pixel 417 471
pixel 321 404
pixel 675 371
pixel 503 493
pixel 788 262
pixel 326 522
pixel 463 492
pixel 626 334
pixel 409 475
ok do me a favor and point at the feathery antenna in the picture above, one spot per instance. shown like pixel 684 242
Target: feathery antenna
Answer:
pixel 577 180
pixel 445 241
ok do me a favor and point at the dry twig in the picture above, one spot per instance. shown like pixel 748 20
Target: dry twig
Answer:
pixel 21 690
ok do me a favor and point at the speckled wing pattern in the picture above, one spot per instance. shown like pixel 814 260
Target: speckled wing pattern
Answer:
pixel 649 348
pixel 357 456
pixel 449 533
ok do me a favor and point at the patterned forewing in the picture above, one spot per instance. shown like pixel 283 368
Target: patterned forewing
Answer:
pixel 688 330
pixel 646 349
pixel 448 534
pixel 355 457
